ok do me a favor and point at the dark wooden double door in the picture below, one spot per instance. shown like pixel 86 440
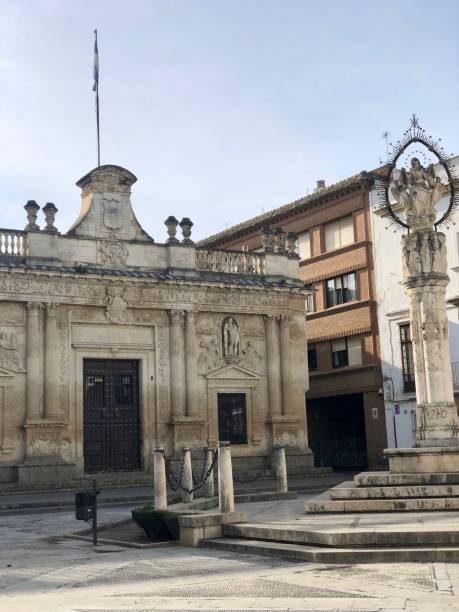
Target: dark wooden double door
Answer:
pixel 112 429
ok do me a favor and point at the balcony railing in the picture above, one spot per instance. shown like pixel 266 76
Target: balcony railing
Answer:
pixel 233 262
pixel 13 243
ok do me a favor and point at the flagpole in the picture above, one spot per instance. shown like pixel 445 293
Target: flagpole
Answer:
pixel 96 85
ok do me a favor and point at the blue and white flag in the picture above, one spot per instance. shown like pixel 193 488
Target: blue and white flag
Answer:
pixel 96 64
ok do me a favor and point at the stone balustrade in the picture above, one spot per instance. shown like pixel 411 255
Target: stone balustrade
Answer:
pixel 232 262
pixel 13 243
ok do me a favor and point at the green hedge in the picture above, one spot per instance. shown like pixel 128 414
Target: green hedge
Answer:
pixel 159 525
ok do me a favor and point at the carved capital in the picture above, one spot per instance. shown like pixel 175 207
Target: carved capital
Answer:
pixel 191 317
pixel 33 308
pixel 176 316
pixel 272 318
pixel 51 309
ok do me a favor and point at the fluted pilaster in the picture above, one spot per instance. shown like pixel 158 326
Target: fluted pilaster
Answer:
pixel 51 410
pixel 177 363
pixel 190 363
pixel 284 359
pixel 273 363
pixel 34 392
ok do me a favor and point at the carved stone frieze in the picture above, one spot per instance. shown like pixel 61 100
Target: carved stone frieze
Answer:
pixel 208 356
pixel 10 356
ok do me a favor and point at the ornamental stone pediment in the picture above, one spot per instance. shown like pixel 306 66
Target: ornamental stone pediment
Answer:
pixel 231 372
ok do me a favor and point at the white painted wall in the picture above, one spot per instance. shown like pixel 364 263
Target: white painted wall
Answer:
pixel 393 310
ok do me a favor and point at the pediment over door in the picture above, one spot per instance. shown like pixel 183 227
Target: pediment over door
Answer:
pixel 232 372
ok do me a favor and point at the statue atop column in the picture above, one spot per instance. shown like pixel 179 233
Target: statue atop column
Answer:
pixel 418 190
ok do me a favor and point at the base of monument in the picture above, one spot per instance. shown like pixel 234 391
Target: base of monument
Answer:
pixel 423 460
pixel 45 470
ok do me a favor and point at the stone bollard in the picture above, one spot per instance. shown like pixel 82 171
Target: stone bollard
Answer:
pixel 160 479
pixel 209 486
pixel 281 469
pixel 187 476
pixel 225 478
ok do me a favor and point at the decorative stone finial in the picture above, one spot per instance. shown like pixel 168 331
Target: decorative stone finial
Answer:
pixel 279 246
pixel 50 215
pixel 266 239
pixel 186 225
pixel 291 244
pixel 171 224
pixel 32 209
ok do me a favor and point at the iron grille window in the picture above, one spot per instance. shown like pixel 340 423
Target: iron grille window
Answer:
pixel 341 289
pixel 340 356
pixel 232 418
pixel 312 358
pixel 407 358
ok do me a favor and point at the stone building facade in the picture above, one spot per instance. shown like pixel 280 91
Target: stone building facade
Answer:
pixel 111 343
pixel 345 407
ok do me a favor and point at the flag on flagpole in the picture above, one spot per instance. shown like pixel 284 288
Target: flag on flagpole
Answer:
pixel 95 87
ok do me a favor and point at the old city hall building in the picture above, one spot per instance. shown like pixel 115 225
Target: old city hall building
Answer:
pixel 111 343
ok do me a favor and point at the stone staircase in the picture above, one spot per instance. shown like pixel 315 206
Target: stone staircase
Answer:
pixel 342 544
pixel 387 492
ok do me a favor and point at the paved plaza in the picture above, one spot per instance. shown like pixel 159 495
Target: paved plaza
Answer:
pixel 42 571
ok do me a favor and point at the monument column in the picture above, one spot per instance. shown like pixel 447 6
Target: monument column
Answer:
pixel 51 410
pixel 177 363
pixel 425 277
pixel 34 391
pixel 273 364
pixel 190 363
pixel 284 359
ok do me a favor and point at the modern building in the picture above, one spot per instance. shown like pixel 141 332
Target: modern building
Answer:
pixel 111 343
pixel 393 319
pixel 344 404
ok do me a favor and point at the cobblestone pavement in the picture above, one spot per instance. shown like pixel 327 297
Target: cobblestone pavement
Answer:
pixel 41 571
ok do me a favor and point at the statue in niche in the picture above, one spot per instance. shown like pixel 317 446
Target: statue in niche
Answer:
pixel 418 190
pixel 9 352
pixel 231 337
pixel 117 306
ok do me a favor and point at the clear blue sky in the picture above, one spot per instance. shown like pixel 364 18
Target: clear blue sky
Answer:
pixel 221 108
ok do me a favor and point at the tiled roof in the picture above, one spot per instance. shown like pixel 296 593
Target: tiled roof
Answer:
pixel 285 210
pixel 247 280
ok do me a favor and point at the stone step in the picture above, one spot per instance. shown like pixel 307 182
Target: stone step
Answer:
pixel 386 479
pixel 324 504
pixel 347 490
pixel 316 554
pixel 385 535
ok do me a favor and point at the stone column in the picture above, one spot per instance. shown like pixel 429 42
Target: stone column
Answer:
pixel 34 392
pixel 425 278
pixel 209 486
pixel 273 363
pixel 177 363
pixel 225 478
pixel 190 363
pixel 160 486
pixel 187 476
pixel 284 359
pixel 51 410
pixel 281 469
